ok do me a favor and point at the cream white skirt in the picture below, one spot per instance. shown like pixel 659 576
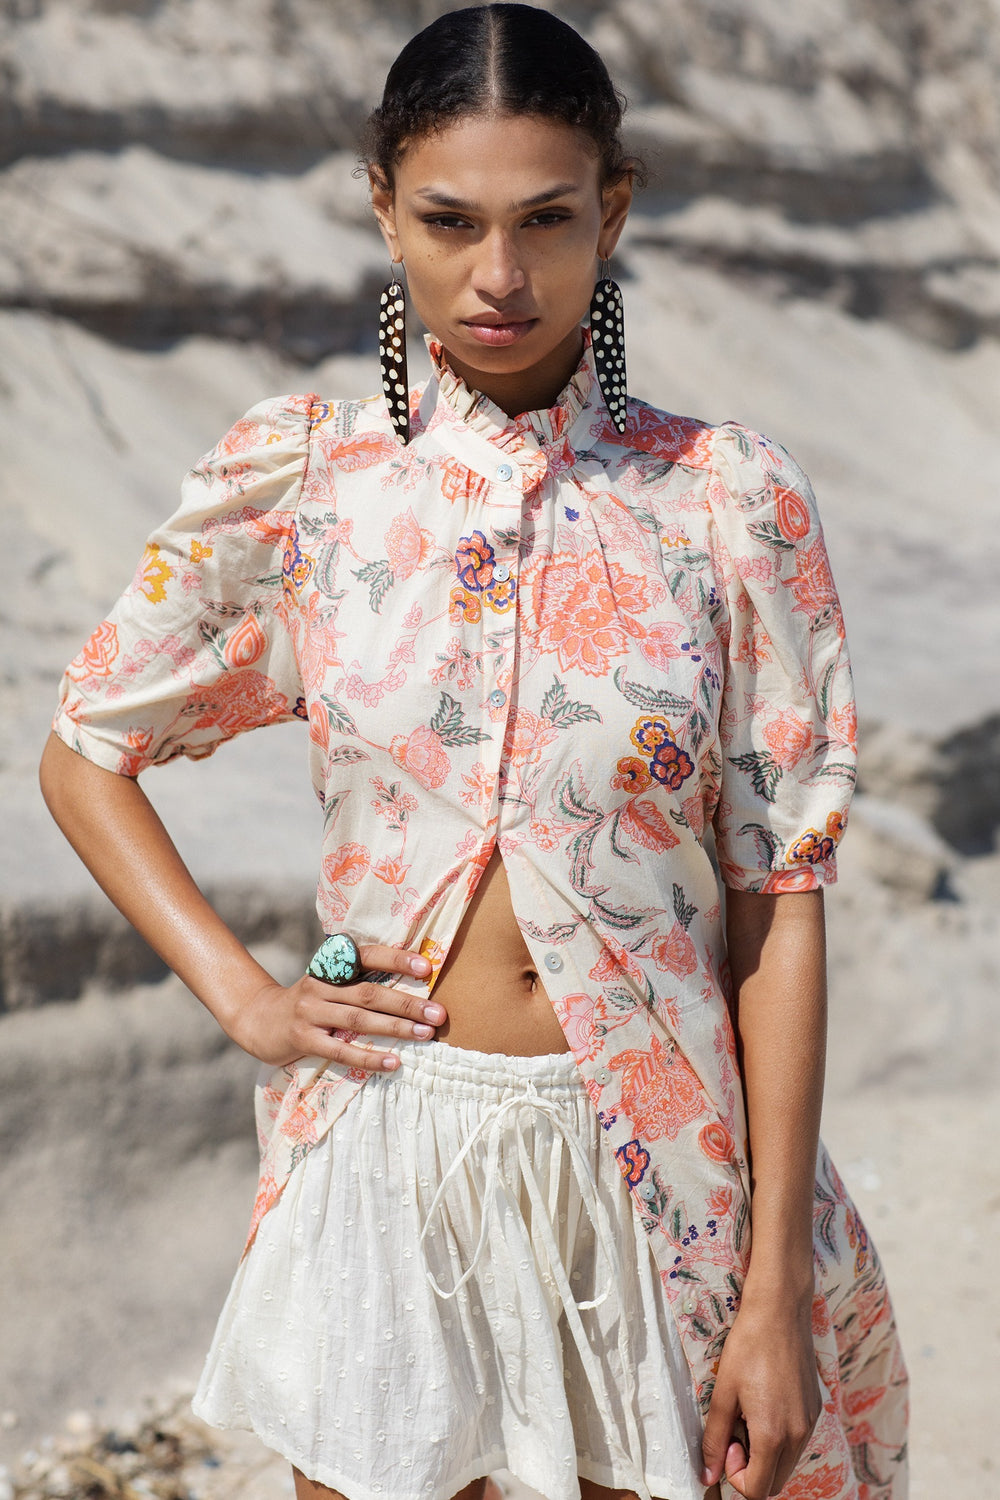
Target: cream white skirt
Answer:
pixel 454 1281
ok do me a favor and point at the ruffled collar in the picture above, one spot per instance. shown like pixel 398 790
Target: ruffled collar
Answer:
pixel 481 415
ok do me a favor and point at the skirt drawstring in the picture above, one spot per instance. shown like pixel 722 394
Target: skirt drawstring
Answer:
pixel 490 1128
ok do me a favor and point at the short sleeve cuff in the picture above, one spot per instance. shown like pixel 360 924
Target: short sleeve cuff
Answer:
pixel 799 877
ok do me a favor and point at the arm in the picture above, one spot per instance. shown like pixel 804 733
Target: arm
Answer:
pixel 768 1373
pixel 119 836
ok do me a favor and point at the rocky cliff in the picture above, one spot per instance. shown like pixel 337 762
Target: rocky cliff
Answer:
pixel 181 233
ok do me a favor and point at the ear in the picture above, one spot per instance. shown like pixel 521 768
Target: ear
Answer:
pixel 616 202
pixel 384 208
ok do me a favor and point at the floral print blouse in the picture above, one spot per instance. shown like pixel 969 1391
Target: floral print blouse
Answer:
pixel 620 659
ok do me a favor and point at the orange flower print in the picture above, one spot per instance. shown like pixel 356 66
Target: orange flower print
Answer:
pixel 720 1199
pixel 391 870
pixel 463 606
pixel 136 757
pixel 246 644
pixel 296 567
pixel 581 608
pixel 474 562
pixel 835 824
pixel 153 574
pixel 238 701
pixel 422 753
pixel 788 739
pixel 527 736
pixel 716 1142
pixel 631 776
pixel 643 822
pixel 791 514
pixel 845 723
pixel 543 835
pixel 501 594
pixel 481 784
pixel 824 1483
pixel 98 656
pixel 319 725
pixel 648 734
pixel 813 584
pixel 408 545
pixel 660 1090
pixel 675 952
pixel 811 849
pixel 659 646
pixel 576 1016
pixel 671 765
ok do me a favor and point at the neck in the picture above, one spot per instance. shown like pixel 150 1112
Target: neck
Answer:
pixel 534 389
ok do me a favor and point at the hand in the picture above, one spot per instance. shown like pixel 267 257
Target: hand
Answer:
pixel 313 1019
pixel 767 1375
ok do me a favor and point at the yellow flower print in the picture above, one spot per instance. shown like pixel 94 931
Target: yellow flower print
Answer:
pixel 153 574
pixel 199 551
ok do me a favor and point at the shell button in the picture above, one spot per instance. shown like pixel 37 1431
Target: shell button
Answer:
pixel 501 572
pixel 553 962
pixel 504 473
pixel 648 1191
pixel 498 698
pixel 603 1075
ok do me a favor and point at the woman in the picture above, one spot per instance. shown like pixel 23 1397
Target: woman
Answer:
pixel 547 643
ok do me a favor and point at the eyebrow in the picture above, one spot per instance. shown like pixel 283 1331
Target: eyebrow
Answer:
pixel 441 199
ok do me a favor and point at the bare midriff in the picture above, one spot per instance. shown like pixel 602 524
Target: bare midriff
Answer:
pixel 489 985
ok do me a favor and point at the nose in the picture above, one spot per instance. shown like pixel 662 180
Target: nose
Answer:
pixel 497 272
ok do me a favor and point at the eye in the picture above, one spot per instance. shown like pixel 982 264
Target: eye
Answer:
pixel 547 217
pixel 446 221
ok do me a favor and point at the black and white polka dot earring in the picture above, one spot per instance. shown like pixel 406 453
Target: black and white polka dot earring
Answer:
pixel 392 357
pixel 607 339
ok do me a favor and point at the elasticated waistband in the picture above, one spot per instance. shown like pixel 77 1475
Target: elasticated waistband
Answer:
pixel 485 1075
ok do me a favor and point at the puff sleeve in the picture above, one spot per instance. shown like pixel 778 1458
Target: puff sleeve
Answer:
pixel 198 649
pixel 787 725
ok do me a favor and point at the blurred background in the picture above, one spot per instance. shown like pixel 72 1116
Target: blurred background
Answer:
pixel 182 233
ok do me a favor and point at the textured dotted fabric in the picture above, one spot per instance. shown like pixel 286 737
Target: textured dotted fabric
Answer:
pixel 607 331
pixel 336 1350
pixel 392 358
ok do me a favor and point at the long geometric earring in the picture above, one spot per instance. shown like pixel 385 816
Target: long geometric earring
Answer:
pixel 392 357
pixel 607 339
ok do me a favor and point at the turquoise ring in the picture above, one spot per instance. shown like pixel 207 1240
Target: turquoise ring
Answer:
pixel 336 960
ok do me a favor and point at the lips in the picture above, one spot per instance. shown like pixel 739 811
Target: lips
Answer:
pixel 498 329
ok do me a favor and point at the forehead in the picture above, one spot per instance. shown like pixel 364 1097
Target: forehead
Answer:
pixel 499 156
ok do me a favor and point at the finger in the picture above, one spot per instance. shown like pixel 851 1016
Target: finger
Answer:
pixel 376 1008
pixel 722 1413
pixel 395 961
pixel 342 1048
pixel 753 1473
pixel 337 1016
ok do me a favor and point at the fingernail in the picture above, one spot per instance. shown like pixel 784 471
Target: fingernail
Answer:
pixel 420 966
pixel 390 1063
pixel 423 1031
pixel 706 1478
pixel 433 1013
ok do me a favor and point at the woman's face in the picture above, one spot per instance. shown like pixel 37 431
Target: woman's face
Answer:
pixel 500 221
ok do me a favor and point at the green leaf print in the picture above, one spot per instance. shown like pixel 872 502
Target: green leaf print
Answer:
pixel 764 772
pixel 317 526
pixel 833 771
pixel 449 723
pixel 743 443
pixel 340 719
pixel 683 910
pixel 560 710
pixel 650 700
pixel 211 636
pixel 620 850
pixel 621 918
pixel 379 577
pixel 346 755
pixel 572 801
pixel 768 533
pixel 769 848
